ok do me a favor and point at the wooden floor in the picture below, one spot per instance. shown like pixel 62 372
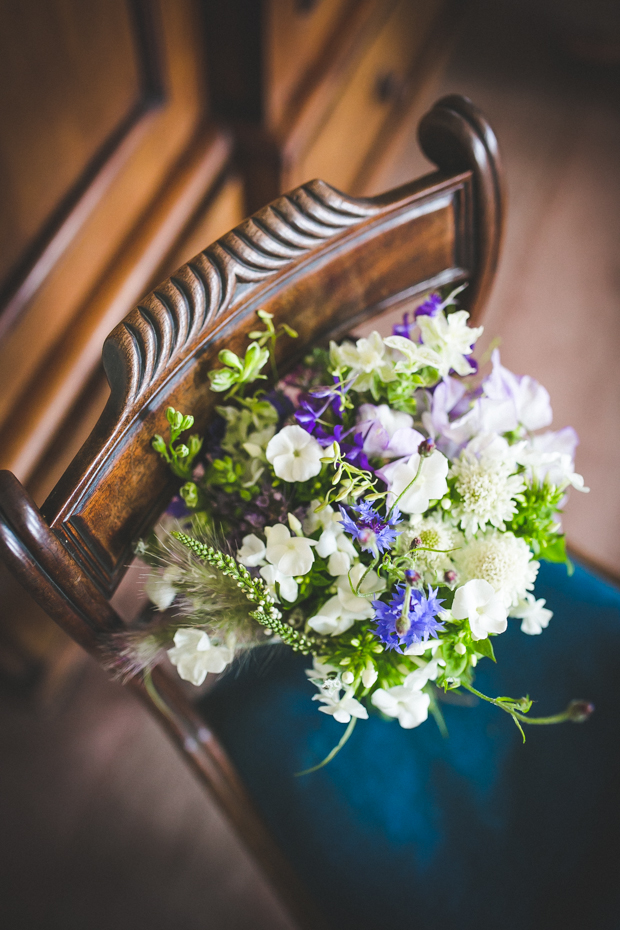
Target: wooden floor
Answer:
pixel 101 826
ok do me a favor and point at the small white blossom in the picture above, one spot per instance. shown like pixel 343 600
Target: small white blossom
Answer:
pixel 430 483
pixel 341 708
pixel 289 588
pixel 333 543
pixel 369 675
pixel 366 359
pixel 477 602
pixel 291 555
pixel 194 655
pixel 160 586
pixel 534 615
pixel 503 560
pixel 409 704
pixel 451 338
pixel 332 619
pixel 294 454
pixel 252 552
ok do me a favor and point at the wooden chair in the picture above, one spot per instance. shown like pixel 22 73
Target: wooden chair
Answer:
pixel 321 262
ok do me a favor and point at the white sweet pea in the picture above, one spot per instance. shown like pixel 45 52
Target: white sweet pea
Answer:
pixel 408 704
pixel 252 552
pixel 289 588
pixel 430 483
pixel 415 356
pixel 342 708
pixel 195 656
pixel 387 433
pixel 291 555
pixel 367 358
pixel 160 587
pixel 451 338
pixel 534 615
pixel 477 602
pixel 294 454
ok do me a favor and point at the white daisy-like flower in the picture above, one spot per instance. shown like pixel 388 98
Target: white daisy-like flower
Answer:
pixel 534 615
pixel 451 338
pixel 252 552
pixel 294 454
pixel 429 484
pixel 291 555
pixel 478 602
pixel 409 704
pixel 194 655
pixel 341 708
pixel 487 484
pixel 434 533
pixel 501 559
pixel 367 358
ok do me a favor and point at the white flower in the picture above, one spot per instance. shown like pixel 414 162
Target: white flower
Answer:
pixel 549 457
pixel 288 586
pixel 430 483
pixel 252 552
pixel 477 602
pixel 294 454
pixel 344 608
pixel 291 555
pixel 408 704
pixel 451 338
pixel 194 655
pixel 160 587
pixel 501 559
pixel 486 483
pixel 369 675
pixel 435 534
pixel 333 543
pixel 415 356
pixel 367 358
pixel 387 433
pixel 534 615
pixel 342 708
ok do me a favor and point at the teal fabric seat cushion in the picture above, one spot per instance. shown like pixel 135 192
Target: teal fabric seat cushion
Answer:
pixel 408 829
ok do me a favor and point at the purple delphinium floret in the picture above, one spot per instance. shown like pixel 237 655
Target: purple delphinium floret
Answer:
pixel 372 531
pixel 431 306
pixel 402 329
pixel 423 620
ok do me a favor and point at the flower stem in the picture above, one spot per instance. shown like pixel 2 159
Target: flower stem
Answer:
pixel 335 750
pixel 404 491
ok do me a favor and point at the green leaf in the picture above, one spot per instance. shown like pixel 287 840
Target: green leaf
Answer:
pixel 484 647
pixel 223 379
pixel 229 358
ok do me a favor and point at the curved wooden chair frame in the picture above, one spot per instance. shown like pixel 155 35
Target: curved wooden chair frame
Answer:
pixel 320 261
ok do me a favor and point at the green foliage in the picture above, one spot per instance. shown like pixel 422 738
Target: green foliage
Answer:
pixel 180 456
pixel 237 371
pixel 534 522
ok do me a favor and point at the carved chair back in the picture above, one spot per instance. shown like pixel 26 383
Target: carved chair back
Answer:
pixel 315 259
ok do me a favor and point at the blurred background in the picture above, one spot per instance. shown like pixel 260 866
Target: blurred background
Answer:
pixel 135 132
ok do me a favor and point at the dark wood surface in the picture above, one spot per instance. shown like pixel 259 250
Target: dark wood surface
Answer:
pixel 320 261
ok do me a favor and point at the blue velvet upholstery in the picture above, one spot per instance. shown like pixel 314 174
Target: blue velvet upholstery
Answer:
pixel 406 829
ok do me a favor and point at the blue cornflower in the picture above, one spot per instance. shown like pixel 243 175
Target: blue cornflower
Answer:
pixel 372 531
pixel 421 618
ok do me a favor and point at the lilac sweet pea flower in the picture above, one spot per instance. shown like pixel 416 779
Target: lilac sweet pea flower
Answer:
pixel 387 433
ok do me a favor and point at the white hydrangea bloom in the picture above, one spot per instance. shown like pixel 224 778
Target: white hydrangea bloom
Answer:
pixel 368 357
pixel 291 555
pixel 194 655
pixel 478 602
pixel 451 338
pixel 430 483
pixel 294 454
pixel 252 552
pixel 487 484
pixel 534 615
pixel 409 704
pixel 341 708
pixel 501 559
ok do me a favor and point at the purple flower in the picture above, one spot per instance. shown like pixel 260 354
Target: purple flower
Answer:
pixel 420 622
pixel 372 531
pixel 177 508
pixel 431 306
pixel 404 328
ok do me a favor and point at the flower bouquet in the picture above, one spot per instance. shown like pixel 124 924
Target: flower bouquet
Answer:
pixel 382 509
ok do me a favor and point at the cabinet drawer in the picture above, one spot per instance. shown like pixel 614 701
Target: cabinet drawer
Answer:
pixel 372 91
pixel 296 32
